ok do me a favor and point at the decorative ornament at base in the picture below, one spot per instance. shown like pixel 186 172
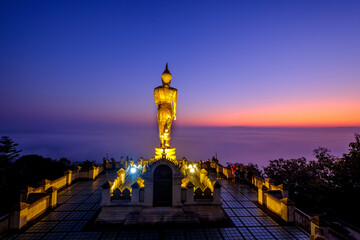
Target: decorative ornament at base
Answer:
pixel 169 153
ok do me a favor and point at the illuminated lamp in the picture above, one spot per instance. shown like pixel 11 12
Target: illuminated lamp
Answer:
pixel 132 170
pixel 192 170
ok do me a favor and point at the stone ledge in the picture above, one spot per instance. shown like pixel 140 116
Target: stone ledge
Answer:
pixel 137 215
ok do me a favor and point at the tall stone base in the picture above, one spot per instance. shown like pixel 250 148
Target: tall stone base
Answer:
pixel 169 153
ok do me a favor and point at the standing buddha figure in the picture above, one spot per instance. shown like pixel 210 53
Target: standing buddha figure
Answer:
pixel 166 99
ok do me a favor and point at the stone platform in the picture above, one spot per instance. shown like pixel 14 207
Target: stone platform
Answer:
pixel 80 203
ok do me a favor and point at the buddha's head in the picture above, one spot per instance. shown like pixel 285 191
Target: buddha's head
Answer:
pixel 166 76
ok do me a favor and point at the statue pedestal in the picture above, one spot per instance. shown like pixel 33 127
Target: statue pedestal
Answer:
pixel 165 153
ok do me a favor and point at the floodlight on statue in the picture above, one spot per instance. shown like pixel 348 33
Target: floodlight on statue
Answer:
pixel 133 170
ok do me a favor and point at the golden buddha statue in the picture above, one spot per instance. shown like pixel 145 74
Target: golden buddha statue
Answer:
pixel 166 99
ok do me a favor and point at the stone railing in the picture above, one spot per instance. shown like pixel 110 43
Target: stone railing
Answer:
pixel 189 198
pixel 35 201
pixel 225 171
pixel 134 194
pixel 26 212
pixel 257 181
pixel 275 198
pixel 272 203
pixel 302 220
pixel 326 227
pixel 87 174
pixel 60 182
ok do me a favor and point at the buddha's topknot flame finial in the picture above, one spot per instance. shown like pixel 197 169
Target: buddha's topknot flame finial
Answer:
pixel 166 76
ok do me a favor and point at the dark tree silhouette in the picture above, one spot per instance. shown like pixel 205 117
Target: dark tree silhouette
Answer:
pixel 31 169
pixel 87 164
pixel 329 184
pixel 8 151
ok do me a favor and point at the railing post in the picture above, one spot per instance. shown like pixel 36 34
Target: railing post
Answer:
pixel 18 217
pixel 261 194
pixel 106 194
pixel 68 174
pixel 52 191
pixel 319 228
pixel 218 170
pixel 45 184
pixel 217 193
pixel 287 210
pixel 135 194
pixel 24 193
pixel 268 183
pixel 92 172
pixel 190 193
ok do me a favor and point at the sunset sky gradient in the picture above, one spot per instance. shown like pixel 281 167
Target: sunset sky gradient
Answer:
pixel 235 63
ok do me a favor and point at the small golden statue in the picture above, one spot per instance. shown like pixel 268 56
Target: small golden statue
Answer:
pixel 166 99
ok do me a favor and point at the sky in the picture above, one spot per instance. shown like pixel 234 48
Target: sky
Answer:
pixel 69 64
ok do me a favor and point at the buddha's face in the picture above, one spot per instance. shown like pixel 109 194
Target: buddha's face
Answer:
pixel 166 78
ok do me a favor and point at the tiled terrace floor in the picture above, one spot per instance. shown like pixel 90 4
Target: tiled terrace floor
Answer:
pixel 79 202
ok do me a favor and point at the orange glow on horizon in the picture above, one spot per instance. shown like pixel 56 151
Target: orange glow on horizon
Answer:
pixel 329 114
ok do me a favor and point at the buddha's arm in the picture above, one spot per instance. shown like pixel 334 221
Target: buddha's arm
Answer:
pixel 175 102
pixel 156 96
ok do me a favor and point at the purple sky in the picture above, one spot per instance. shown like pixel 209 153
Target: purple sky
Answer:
pixel 72 68
pixel 244 63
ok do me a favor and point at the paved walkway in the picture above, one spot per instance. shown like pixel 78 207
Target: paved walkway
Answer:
pixel 79 202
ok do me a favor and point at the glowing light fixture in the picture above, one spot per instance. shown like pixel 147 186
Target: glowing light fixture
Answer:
pixel 132 170
pixel 192 170
pixel 190 166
